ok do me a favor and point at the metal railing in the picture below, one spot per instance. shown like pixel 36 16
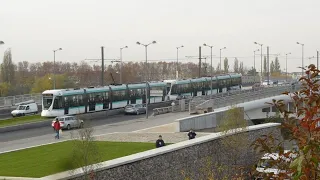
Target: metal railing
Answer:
pixel 232 98
pixel 9 101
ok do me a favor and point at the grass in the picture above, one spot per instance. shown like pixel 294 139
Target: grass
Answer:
pixel 21 120
pixel 50 159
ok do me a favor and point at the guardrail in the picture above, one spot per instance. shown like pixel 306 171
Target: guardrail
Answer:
pixel 237 97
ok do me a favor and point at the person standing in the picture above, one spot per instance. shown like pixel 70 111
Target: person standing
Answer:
pixel 160 142
pixel 57 128
pixel 191 134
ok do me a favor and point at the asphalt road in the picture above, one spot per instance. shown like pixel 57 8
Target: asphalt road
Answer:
pixel 15 135
pixel 28 138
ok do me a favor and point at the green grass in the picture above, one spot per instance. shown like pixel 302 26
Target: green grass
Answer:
pixel 50 159
pixel 21 120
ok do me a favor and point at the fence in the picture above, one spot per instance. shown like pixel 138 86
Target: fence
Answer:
pixel 11 100
pixel 198 105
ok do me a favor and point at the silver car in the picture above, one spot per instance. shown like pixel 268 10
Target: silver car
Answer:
pixel 135 109
pixel 68 122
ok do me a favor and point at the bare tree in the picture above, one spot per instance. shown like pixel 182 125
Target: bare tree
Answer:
pixel 85 152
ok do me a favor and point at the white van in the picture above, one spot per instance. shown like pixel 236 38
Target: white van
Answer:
pixel 24 108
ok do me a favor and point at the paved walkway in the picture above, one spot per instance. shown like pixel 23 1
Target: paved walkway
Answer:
pixel 167 132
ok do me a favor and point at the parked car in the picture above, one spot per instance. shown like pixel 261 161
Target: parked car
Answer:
pixel 135 109
pixel 68 122
pixel 257 86
pixel 25 108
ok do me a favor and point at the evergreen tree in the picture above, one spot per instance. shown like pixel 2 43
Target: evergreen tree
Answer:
pixel 226 65
pixel 272 68
pixel 236 65
pixel 277 67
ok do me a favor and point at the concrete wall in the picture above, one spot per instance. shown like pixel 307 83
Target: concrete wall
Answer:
pixel 189 156
pixel 200 122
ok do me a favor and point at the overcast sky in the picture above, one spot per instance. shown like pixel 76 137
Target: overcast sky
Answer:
pixel 33 28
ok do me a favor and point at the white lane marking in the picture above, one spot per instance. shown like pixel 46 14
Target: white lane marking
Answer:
pixel 153 127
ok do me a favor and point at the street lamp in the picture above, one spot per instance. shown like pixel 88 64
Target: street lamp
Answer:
pixel 121 63
pixel 1 42
pixel 220 57
pixel 287 66
pixel 177 72
pixel 211 63
pixel 146 48
pixel 254 63
pixel 261 57
pixel 54 67
pixel 302 45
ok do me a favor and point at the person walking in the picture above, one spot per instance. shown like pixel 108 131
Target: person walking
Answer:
pixel 57 128
pixel 191 134
pixel 160 142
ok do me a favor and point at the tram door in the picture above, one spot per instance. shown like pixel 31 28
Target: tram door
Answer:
pixel 92 104
pixel 66 105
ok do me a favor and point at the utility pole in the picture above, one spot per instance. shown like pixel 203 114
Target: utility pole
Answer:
pixel 317 59
pixel 200 61
pixel 102 65
pixel 268 68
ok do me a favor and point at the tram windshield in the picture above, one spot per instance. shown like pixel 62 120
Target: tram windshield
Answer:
pixel 47 100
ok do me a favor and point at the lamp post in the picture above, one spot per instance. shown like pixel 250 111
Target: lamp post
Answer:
pixel 54 67
pixel 121 63
pixel 177 72
pixel 287 66
pixel 302 67
pixel 146 48
pixel 261 57
pixel 220 57
pixel 211 64
pixel 254 63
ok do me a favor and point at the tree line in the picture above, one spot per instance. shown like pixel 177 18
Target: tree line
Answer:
pixel 25 77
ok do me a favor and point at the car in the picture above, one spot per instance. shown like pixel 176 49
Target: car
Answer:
pixel 25 108
pixel 257 86
pixel 68 122
pixel 135 109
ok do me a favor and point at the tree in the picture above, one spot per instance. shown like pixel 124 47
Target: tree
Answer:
pixel 277 67
pixel 302 127
pixel 218 68
pixel 233 121
pixel 252 72
pixel 85 152
pixel 226 65
pixel 236 65
pixel 241 68
pixel 272 68
pixel 7 68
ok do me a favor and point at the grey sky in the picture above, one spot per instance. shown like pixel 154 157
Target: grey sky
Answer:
pixel 34 28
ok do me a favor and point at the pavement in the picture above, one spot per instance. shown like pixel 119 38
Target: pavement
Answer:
pixel 140 123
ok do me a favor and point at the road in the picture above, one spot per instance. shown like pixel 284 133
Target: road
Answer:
pixel 27 138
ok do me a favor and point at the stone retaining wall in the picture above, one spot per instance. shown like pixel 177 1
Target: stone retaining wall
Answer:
pixel 190 156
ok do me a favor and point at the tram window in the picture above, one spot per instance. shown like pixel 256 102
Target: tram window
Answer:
pixel 80 100
pixel 74 101
pixel 57 104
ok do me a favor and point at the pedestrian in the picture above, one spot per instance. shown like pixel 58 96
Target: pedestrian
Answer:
pixel 191 134
pixel 160 142
pixel 57 128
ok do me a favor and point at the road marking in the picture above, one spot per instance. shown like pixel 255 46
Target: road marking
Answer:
pixel 153 127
